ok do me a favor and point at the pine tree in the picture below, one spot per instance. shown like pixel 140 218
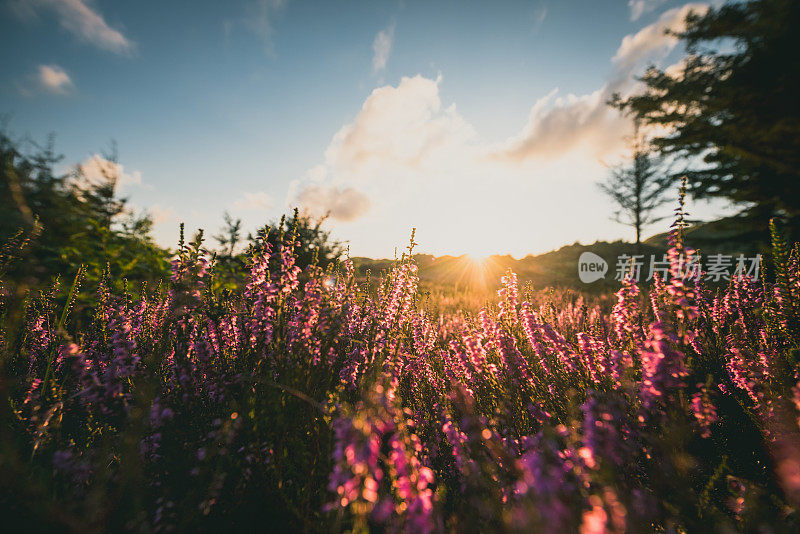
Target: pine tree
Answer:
pixel 732 111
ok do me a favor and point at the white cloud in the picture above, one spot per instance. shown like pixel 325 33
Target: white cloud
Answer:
pixel 260 16
pixel 381 48
pixel 652 40
pixel 98 170
pixel 405 142
pixel 258 201
pixel 559 125
pixel 640 7
pixel 401 140
pixel 79 19
pixel 343 204
pixel 317 173
pixel 53 79
pixel 403 126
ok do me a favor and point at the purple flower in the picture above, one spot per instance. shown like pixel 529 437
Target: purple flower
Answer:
pixel 663 367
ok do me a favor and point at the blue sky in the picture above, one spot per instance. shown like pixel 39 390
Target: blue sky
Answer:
pixel 480 123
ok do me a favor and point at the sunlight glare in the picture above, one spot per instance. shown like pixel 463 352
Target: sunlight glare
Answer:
pixel 478 259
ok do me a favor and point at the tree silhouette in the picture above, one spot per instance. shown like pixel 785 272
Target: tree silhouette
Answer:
pixel 638 188
pixel 230 235
pixel 731 109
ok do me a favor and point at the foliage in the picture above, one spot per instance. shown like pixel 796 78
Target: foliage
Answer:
pixel 733 104
pixel 230 236
pixel 310 401
pixel 80 222
pixel 314 244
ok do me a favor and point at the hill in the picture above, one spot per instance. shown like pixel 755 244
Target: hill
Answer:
pixel 558 268
pixel 731 236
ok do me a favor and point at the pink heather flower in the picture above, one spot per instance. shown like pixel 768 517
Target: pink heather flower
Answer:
pixel 360 468
pixel 738 490
pixel 704 411
pixel 595 357
pixel 458 367
pixel 605 432
pixel 618 362
pixel 684 274
pixel 287 276
pixel 663 367
pixel 509 295
pixel 746 373
pixel 514 362
pixel 38 339
pixel 491 330
pixel 230 333
pixel 626 314
pixel 411 481
pixel 33 391
pixel 595 519
pixel 306 319
pixel 658 293
pixel 458 441
pixel 397 303
pixel 559 345
pixel 262 293
pixel 530 327
pixel 474 342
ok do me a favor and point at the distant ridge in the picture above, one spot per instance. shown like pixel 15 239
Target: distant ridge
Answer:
pixel 729 235
pixel 559 268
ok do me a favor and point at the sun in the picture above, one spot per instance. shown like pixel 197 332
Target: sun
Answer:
pixel 477 259
pixel 478 253
pixel 474 271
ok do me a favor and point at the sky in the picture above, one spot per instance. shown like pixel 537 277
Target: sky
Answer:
pixel 483 125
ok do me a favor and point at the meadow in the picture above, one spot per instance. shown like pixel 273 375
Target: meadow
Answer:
pixel 261 379
pixel 315 400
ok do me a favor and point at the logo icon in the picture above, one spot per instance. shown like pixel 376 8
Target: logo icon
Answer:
pixel 591 267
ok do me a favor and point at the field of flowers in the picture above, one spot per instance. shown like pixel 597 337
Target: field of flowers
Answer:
pixel 310 401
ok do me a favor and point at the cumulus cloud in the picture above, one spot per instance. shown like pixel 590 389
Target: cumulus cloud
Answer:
pixel 258 201
pixel 53 79
pixel 558 125
pixel 82 21
pixel 652 41
pixel 402 137
pixel 381 48
pixel 640 7
pixel 344 204
pixel 402 126
pixel 97 170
